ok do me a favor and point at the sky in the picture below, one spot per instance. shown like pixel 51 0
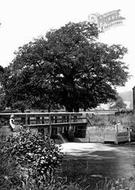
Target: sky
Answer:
pixel 24 20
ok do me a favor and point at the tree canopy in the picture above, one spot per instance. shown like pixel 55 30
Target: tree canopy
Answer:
pixel 68 67
pixel 118 104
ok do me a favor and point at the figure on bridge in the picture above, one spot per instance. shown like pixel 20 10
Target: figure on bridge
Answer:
pixel 14 126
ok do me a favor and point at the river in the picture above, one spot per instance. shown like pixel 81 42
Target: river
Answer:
pixel 98 160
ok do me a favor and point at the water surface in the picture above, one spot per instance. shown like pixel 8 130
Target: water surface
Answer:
pixel 98 160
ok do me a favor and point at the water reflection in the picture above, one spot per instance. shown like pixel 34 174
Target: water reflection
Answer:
pixel 101 160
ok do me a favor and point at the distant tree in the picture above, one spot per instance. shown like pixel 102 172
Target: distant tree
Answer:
pixel 68 67
pixel 118 104
pixel 2 94
pixel 1 70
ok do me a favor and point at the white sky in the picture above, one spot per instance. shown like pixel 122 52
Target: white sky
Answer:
pixel 23 20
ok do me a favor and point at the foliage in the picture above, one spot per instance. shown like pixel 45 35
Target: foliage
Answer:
pixel 116 184
pixel 9 174
pixel 68 67
pixel 35 155
pixel 19 105
pixel 2 94
pixel 118 104
pixel 11 177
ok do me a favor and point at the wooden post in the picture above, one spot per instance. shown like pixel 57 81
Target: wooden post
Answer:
pixel 37 120
pixel 55 119
pixel 23 120
pixel 50 126
pixel 134 98
pixel 28 120
pixel 129 134
pixel 116 135
pixel 49 119
pixel 43 120
pixel 69 120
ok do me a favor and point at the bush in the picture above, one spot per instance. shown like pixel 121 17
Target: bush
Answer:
pixel 35 155
pixel 9 178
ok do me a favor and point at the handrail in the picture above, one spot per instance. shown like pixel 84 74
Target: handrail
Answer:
pixel 42 113
pixel 43 119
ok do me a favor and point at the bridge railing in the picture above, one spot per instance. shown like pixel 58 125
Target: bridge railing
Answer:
pixel 34 119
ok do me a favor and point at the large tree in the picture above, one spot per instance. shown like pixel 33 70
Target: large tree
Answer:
pixel 68 67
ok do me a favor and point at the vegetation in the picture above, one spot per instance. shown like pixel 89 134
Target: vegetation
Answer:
pixel 68 67
pixel 118 104
pixel 29 160
pixel 2 92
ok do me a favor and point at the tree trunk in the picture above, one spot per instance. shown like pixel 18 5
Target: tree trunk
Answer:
pixel 49 108
pixel 76 109
pixel 69 108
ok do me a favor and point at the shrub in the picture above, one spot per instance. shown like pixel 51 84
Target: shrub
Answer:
pixel 9 178
pixel 35 155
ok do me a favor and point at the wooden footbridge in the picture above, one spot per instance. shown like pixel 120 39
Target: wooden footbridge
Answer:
pixel 50 123
pixel 64 124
